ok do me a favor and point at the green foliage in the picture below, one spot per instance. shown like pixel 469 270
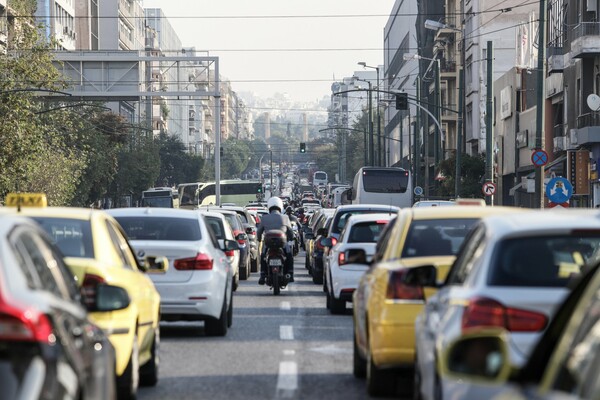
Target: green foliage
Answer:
pixel 23 7
pixel 176 166
pixel 472 171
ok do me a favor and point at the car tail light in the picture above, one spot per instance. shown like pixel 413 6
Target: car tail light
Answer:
pixel 200 262
pixel 486 312
pixel 342 258
pixel 24 325
pixel 333 241
pixel 398 290
pixel 230 253
pixel 88 288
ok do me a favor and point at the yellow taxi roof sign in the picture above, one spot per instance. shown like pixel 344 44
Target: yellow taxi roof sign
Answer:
pixel 470 202
pixel 26 200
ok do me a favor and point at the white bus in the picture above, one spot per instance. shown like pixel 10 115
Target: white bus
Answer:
pixel 232 191
pixel 382 185
pixel 320 178
pixel 165 197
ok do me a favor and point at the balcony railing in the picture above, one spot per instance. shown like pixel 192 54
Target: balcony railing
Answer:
pixel 449 110
pixel 585 29
pixel 590 119
pixel 447 66
pixel 559 130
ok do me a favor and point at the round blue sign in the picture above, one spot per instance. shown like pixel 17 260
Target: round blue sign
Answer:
pixel 559 190
pixel 418 190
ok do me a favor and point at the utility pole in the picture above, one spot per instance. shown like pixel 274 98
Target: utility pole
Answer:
pixel 539 123
pixel 458 156
pixel 379 153
pixel 417 138
pixel 371 139
pixel 437 139
pixel 489 119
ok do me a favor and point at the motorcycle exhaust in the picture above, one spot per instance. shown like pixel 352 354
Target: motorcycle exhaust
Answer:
pixel 288 276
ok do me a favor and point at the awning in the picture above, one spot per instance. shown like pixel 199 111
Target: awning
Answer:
pixel 531 175
pixel 513 189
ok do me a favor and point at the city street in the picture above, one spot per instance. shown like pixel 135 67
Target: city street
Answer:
pixel 279 347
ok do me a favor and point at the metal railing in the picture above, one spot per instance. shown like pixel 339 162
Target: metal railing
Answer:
pixel 589 119
pixel 559 130
pixel 585 29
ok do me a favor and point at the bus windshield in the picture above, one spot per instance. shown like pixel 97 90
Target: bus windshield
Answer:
pixel 165 202
pixel 385 181
pixel 188 194
pixel 239 193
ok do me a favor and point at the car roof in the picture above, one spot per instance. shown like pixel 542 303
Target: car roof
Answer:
pixel 55 212
pixel 422 213
pixel 541 221
pixel 153 211
pixel 218 209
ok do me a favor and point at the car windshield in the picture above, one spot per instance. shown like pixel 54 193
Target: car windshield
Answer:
pixel 437 237
pixel 542 261
pixel 160 228
pixel 72 236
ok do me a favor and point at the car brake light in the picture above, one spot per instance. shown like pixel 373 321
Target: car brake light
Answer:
pixel 200 262
pixel 486 312
pixel 398 290
pixel 26 325
pixel 342 258
pixel 88 288
pixel 229 253
pixel 333 241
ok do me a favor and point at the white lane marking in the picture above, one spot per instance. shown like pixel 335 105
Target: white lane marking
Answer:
pixel 289 352
pixel 332 350
pixel 286 332
pixel 285 305
pixel 287 380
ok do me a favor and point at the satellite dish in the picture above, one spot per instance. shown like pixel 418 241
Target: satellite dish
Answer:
pixel 593 102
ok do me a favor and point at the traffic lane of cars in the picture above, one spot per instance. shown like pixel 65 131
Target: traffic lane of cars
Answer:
pixel 245 364
pixel 49 347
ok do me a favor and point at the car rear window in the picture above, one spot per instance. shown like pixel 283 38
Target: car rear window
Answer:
pixel 341 218
pixel 233 221
pixel 542 261
pixel 366 232
pixel 160 228
pixel 72 236
pixel 216 225
pixel 436 237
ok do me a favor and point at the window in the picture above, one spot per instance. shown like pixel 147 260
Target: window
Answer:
pixel 366 232
pixel 437 237
pixel 464 261
pixel 28 248
pixel 121 246
pixel 160 228
pixel 72 236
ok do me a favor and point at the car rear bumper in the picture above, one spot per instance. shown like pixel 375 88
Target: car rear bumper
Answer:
pixel 345 282
pixel 190 301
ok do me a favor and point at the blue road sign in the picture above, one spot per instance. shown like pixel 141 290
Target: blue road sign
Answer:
pixel 559 190
pixel 539 158
pixel 418 190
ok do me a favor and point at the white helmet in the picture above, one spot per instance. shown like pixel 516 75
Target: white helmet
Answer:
pixel 275 202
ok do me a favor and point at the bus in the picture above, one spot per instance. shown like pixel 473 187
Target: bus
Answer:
pixel 320 178
pixel 232 191
pixel 382 185
pixel 188 194
pixel 165 197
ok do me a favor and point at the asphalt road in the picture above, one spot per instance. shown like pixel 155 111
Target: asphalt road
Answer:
pixel 279 347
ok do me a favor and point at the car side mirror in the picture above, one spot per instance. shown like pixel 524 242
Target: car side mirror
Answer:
pixel 356 256
pixel 230 245
pixel 156 265
pixel 425 275
pixel 241 236
pixel 480 356
pixel 109 298
pixel 321 232
pixel 249 230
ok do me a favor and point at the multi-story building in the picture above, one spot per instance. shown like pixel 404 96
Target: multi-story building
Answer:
pixel 58 20
pixel 86 24
pixel 400 74
pixel 121 25
pixel 199 137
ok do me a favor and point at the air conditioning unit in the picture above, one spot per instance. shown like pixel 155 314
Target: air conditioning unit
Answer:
pixel 66 30
pixel 560 143
pixel 573 136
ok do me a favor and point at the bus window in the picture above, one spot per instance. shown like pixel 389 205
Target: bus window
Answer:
pixel 385 181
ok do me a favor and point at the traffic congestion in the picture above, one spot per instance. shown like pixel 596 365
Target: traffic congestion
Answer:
pixel 435 301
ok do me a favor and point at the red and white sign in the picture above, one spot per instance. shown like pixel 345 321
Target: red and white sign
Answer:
pixel 558 205
pixel 489 188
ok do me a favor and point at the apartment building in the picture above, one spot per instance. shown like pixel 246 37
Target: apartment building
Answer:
pixel 87 24
pixel 121 25
pixel 58 20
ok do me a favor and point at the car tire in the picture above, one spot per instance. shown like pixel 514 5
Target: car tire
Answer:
pixel 235 281
pixel 245 272
pixel 217 326
pixel 254 265
pixel 359 365
pixel 149 371
pixel 230 312
pixel 417 382
pixel 380 382
pixel 127 384
pixel 306 263
pixel 337 306
pixel 328 301
pixel 317 279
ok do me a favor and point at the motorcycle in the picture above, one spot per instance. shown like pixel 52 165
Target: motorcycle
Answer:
pixel 296 241
pixel 276 240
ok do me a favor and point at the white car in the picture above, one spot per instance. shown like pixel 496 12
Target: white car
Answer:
pixel 512 272
pixel 198 284
pixel 223 231
pixel 347 260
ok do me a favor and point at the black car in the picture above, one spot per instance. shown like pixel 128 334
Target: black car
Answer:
pixel 49 349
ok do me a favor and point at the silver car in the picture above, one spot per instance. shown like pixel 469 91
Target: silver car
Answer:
pixel 511 273
pixel 198 283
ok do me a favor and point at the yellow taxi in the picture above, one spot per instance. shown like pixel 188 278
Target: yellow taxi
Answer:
pixel 97 252
pixel 385 306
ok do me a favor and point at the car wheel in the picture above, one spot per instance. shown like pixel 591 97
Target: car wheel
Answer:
pixel 254 265
pixel 380 382
pixel 317 278
pixel 245 272
pixel 328 300
pixel 127 384
pixel 337 306
pixel 359 363
pixel 149 371
pixel 236 281
pixel 417 382
pixel 230 312
pixel 306 264
pixel 217 326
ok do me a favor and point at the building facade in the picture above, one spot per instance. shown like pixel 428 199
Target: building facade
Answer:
pixel 58 20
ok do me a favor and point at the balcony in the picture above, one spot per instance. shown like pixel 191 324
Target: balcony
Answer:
pixel 560 144
pixel 449 31
pixel 559 130
pixel 448 69
pixel 585 40
pixel 449 112
pixel 588 130
pixel 556 59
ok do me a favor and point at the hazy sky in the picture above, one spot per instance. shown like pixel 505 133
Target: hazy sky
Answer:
pixel 304 75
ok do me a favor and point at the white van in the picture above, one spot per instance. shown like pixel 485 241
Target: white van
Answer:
pixel 320 178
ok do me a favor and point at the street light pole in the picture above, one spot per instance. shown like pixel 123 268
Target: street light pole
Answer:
pixel 379 148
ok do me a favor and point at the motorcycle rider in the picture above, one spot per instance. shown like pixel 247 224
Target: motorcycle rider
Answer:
pixel 290 213
pixel 275 220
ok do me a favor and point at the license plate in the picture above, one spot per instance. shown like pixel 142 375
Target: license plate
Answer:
pixel 276 263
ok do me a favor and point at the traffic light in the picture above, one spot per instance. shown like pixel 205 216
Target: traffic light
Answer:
pixel 302 147
pixel 259 189
pixel 402 101
pixel 221 151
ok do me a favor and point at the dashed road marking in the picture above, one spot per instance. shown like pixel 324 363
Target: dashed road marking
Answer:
pixel 286 332
pixel 287 379
pixel 285 305
pixel 289 352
